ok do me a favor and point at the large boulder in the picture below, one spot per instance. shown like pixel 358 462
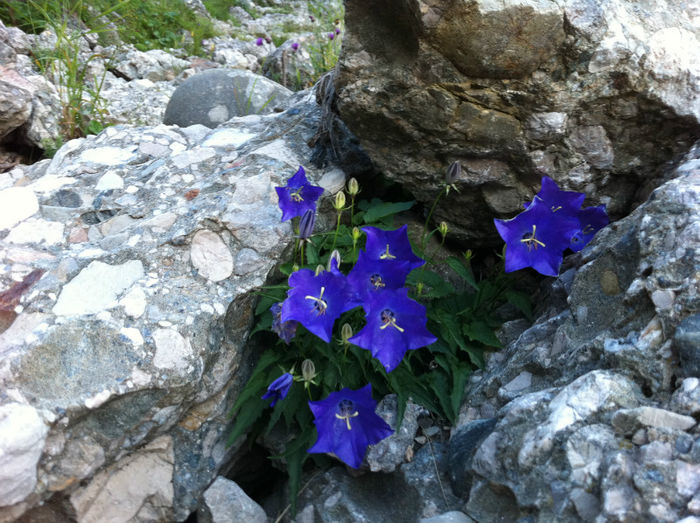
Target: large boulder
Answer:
pixel 130 263
pixel 599 96
pixel 213 97
pixel 591 413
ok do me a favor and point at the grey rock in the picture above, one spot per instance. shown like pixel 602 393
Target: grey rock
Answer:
pixel 463 444
pixel 686 341
pixel 686 399
pixel 154 65
pixel 448 517
pixel 626 421
pixel 133 334
pixel 213 97
pixel 532 88
pixel 391 452
pixel 225 501
pixel 15 101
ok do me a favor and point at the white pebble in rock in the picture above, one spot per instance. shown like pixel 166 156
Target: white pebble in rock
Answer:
pixel 17 203
pixel 172 350
pixel 210 256
pixel 97 287
pixel 22 435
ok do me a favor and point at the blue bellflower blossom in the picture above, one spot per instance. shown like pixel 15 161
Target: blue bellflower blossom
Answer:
pixel 391 245
pixel 591 220
pixel 371 275
pixel 537 238
pixel 395 324
pixel 567 202
pixel 346 423
pixel 298 196
pixel 316 301
pixel 285 330
pixel 278 389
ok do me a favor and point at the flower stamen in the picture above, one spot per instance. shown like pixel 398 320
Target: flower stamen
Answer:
pixel 531 240
pixel 388 319
pixel 296 195
pixel 555 209
pixel 387 255
pixel 347 417
pixel 346 408
pixel 376 280
pixel 320 304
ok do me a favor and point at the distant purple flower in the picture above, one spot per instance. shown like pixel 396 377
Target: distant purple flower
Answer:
pixel 591 220
pixel 316 301
pixel 297 196
pixel 259 41
pixel 278 389
pixel 371 275
pixel 395 324
pixel 537 238
pixel 285 330
pixel 331 36
pixel 346 423
pixel 337 31
pixel 391 245
pixel 311 17
pixel 295 46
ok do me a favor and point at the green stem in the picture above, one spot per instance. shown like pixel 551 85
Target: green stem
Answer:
pixel 427 221
pixel 337 228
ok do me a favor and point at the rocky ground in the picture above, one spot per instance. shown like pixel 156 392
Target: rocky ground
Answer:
pixel 130 257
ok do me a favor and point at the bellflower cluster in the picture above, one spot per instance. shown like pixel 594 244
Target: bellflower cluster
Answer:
pixel 345 421
pixel 553 222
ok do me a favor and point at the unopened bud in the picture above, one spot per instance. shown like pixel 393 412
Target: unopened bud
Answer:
pixel 339 202
pixel 356 234
pixel 346 332
pixel 295 267
pixel 319 269
pixel 453 172
pixel 308 370
pixel 353 187
pixel 443 229
pixel 468 254
pixel 335 255
pixel 306 224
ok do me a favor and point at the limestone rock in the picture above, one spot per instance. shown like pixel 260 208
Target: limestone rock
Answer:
pixel 136 329
pixel 225 501
pixel 213 97
pixel 597 96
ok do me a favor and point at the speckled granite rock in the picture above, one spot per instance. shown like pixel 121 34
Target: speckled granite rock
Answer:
pixel 151 240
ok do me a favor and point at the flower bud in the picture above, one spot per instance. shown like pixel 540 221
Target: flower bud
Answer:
pixel 453 172
pixel 356 234
pixel 306 224
pixel 308 370
pixel 443 229
pixel 339 202
pixel 295 267
pixel 468 254
pixel 319 269
pixel 335 255
pixel 353 187
pixel 346 332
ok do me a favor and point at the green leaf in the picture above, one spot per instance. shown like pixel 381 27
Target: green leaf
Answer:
pixel 296 455
pixel 249 413
pixel 478 330
pixel 463 271
pixel 436 286
pixel 379 210
pixel 521 301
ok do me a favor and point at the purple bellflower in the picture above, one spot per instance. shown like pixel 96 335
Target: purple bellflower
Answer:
pixel 395 324
pixel 371 275
pixel 295 46
pixel 259 41
pixel 591 220
pixel 346 424
pixel 331 36
pixel 297 196
pixel 285 330
pixel 316 301
pixel 278 389
pixel 537 238
pixel 568 202
pixel 306 224
pixel 391 245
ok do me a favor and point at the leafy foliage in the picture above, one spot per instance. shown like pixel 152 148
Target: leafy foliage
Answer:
pixel 460 312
